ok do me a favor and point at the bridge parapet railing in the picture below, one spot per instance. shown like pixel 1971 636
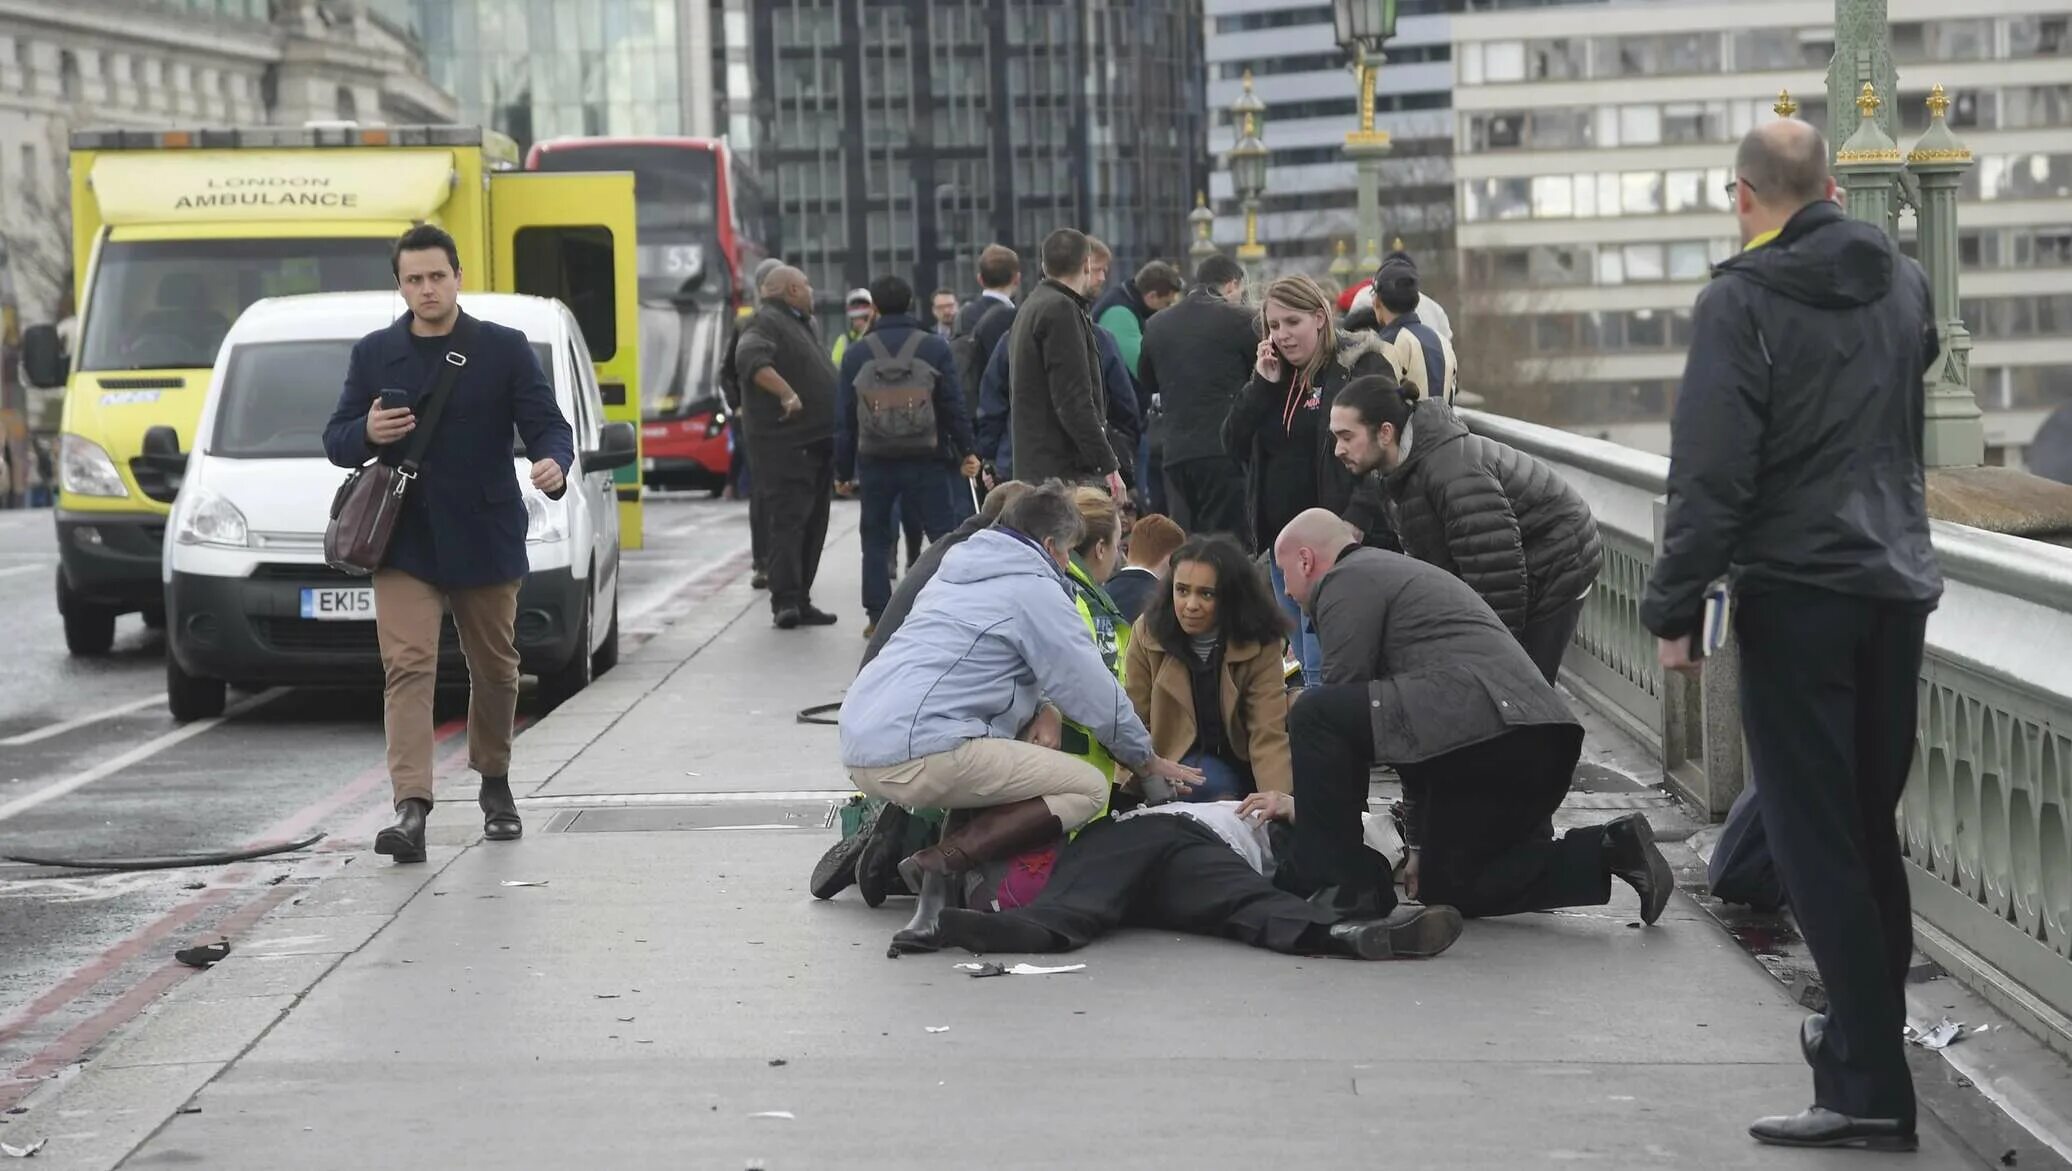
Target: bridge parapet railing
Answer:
pixel 1986 823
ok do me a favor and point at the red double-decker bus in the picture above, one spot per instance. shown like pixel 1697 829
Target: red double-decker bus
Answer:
pixel 701 235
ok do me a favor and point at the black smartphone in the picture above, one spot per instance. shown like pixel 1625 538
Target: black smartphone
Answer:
pixel 395 400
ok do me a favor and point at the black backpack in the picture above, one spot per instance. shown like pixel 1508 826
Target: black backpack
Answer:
pixel 965 356
pixel 895 401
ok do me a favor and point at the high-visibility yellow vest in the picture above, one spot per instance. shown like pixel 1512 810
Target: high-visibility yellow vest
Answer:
pixel 1111 635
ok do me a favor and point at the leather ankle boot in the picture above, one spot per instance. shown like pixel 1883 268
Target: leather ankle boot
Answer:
pixel 404 841
pixel 930 872
pixel 500 822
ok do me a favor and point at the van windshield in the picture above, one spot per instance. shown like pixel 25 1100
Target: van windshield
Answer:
pixel 277 397
pixel 166 304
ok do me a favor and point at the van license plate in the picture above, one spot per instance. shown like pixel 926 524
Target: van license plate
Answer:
pixel 339 605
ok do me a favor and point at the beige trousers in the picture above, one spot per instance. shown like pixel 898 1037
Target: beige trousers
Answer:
pixel 407 613
pixel 980 773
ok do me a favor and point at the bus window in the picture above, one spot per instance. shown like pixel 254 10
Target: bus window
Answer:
pixel 575 266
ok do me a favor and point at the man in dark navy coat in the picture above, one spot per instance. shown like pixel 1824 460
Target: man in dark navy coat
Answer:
pixel 460 542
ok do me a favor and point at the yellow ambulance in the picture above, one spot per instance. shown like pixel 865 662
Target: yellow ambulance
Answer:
pixel 175 232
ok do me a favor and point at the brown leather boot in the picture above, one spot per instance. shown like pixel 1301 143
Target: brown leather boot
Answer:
pixel 929 872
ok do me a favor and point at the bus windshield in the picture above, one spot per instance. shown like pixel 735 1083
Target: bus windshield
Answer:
pixel 166 304
pixel 675 194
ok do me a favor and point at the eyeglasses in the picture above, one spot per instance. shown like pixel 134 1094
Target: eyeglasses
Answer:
pixel 1734 186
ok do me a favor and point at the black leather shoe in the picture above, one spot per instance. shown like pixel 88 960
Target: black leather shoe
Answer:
pixel 500 821
pixel 404 841
pixel 1816 1126
pixel 787 618
pixel 1409 932
pixel 1630 853
pixel 1811 1031
pixel 811 615
pixel 836 868
pixel 759 580
pixel 877 866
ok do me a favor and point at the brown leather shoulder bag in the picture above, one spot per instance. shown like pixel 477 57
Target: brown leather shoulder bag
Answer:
pixel 366 507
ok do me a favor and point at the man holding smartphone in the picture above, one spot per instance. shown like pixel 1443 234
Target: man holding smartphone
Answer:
pixel 1796 464
pixel 459 543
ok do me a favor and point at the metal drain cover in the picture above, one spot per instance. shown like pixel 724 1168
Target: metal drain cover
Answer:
pixel 730 815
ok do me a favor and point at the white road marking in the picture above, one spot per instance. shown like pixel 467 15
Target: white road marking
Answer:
pixel 141 752
pixel 36 567
pixel 46 733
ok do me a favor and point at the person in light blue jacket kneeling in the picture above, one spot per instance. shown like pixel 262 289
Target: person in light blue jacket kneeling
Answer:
pixel 963 707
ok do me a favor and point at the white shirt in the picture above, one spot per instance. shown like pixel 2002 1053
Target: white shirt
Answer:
pixel 997 295
pixel 1245 836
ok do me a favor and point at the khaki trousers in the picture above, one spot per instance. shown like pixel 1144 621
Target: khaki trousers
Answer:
pixel 407 612
pixel 981 773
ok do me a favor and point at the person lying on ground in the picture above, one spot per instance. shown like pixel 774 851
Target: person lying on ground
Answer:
pixel 1197 867
pixel 933 720
pixel 1419 674
pixel 1205 671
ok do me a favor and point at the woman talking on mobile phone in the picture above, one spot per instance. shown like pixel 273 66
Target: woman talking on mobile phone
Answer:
pixel 1279 430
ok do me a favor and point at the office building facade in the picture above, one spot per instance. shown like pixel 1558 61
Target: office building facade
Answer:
pixel 537 69
pixel 1595 142
pixel 903 136
pixel 1312 100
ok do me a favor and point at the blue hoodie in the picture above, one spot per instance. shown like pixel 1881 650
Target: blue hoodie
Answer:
pixel 994 634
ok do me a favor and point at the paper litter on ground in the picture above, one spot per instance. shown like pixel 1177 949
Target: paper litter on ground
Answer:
pixel 523 882
pixel 993 969
pixel 1942 1036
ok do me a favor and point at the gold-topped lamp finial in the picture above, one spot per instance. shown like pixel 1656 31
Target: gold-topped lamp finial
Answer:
pixel 1396 245
pixel 1785 106
pixel 1867 102
pixel 1938 103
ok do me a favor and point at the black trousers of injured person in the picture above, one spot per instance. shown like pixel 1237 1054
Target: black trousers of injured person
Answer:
pixel 1484 816
pixel 1171 872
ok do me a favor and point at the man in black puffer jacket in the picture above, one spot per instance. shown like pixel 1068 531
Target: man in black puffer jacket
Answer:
pixel 1491 515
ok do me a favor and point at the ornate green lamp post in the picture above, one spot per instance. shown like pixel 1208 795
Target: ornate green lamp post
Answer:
pixel 1362 26
pixel 1203 221
pixel 1247 161
pixel 1955 433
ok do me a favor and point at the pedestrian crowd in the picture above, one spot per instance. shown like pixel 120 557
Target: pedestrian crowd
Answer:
pixel 1182 571
pixel 1222 561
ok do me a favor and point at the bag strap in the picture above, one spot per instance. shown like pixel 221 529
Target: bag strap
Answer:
pixel 438 392
pixel 875 346
pixel 912 345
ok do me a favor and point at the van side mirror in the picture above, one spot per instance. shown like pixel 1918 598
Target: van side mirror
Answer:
pixel 43 357
pixel 617 446
pixel 160 465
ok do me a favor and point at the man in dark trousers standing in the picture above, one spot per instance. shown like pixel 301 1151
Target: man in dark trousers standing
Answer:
pixel 789 386
pixel 1419 674
pixel 1795 463
pixel 1058 407
pixel 1196 356
pixel 459 544
pixel 896 472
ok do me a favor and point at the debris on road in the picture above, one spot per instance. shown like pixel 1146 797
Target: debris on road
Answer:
pixel 786 1115
pixel 523 882
pixel 204 956
pixel 1942 1036
pixel 993 969
pixel 14 1152
pixel 777 1061
pixel 938 1028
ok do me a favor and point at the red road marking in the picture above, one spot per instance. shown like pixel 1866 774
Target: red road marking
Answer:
pixel 100 967
pixel 90 1032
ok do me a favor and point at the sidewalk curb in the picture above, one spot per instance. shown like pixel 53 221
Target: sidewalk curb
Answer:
pixel 106 1107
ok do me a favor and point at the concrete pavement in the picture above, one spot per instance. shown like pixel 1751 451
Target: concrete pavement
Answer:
pixel 672 997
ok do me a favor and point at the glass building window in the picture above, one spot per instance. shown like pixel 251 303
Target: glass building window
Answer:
pixel 1643 262
pixel 1647 329
pixel 1640 192
pixel 1687 261
pixel 1681 191
pixel 1556 60
pixel 1503 61
pixel 1560 129
pixel 2038 36
pixel 1640 125
pixel 1551 197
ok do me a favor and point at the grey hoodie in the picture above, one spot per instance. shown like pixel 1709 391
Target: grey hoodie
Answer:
pixel 994 634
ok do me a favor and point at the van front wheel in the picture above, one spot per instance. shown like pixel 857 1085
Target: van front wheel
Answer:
pixel 189 696
pixel 89 629
pixel 558 686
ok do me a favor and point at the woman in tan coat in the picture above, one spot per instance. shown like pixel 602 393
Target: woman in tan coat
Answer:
pixel 1205 672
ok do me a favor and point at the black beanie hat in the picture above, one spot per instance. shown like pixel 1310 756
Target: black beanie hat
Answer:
pixel 1395 282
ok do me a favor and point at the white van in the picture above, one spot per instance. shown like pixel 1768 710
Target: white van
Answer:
pixel 249 600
